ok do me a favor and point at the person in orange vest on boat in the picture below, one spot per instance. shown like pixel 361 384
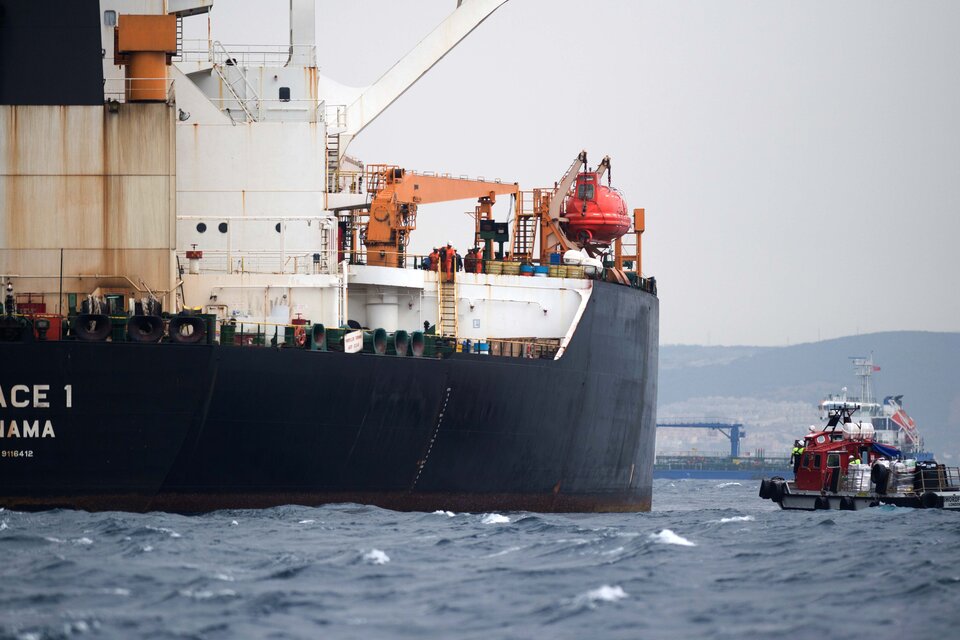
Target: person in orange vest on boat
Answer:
pixel 477 260
pixel 434 259
pixel 449 255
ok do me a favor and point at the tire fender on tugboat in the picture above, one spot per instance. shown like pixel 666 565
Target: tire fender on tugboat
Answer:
pixel 821 503
pixel 764 488
pixel 930 500
pixel 847 504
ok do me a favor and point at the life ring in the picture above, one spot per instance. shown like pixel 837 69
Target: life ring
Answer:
pixel 300 335
pixel 821 503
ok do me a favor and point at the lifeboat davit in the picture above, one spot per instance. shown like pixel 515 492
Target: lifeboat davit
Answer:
pixel 596 214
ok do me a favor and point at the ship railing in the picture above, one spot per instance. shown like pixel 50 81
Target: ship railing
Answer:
pixel 133 89
pixel 277 110
pixel 942 478
pixel 248 55
pixel 263 262
pixel 334 115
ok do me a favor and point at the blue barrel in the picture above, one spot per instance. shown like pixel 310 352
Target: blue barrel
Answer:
pixel 554 258
pixel 526 269
pixel 541 271
pixel 484 348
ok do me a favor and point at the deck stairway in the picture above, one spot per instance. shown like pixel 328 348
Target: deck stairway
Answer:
pixel 226 66
pixel 525 226
pixel 333 162
pixel 446 306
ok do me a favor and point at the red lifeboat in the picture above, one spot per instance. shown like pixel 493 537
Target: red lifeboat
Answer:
pixel 595 214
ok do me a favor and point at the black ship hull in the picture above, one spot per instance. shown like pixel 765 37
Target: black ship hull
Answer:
pixel 190 428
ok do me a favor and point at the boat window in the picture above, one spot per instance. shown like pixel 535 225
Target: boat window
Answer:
pixel 821 439
pixel 284 94
pixel 816 461
pixel 222 227
pixel 833 460
pixel 806 460
pixel 585 191
pixel 110 18
pixel 201 227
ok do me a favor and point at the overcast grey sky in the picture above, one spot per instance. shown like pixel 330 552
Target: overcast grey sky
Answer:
pixel 798 161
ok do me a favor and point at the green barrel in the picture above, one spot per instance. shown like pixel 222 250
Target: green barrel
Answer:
pixel 118 328
pixel 334 338
pixel 227 334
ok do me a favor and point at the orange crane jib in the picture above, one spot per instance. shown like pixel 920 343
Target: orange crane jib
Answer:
pixel 393 208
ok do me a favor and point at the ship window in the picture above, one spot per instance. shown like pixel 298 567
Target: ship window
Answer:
pixel 284 94
pixel 222 227
pixel 110 18
pixel 806 460
pixel 833 460
pixel 816 461
pixel 201 227
pixel 277 227
pixel 585 191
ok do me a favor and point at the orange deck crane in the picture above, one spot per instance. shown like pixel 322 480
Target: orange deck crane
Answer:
pixel 396 194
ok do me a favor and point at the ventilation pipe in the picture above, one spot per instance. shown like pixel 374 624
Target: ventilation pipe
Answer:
pixel 145 44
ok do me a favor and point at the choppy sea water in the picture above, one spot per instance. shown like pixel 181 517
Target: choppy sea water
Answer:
pixel 711 561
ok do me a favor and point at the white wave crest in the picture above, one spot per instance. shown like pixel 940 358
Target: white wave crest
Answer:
pixel 375 556
pixel 449 514
pixel 605 593
pixel 169 532
pixel 234 523
pixel 207 594
pixel 82 541
pixel 736 519
pixel 669 537
pixel 494 518
pixel 728 484
pixel 306 522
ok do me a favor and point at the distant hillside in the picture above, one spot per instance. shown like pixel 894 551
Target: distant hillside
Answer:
pixel 922 366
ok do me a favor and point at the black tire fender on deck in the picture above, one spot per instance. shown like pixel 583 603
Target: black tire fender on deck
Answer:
pixel 821 503
pixel 847 504
pixel 881 478
pixel 764 488
pixel 930 500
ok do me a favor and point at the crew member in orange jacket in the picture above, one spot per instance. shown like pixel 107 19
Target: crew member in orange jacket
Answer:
pixel 448 257
pixel 434 260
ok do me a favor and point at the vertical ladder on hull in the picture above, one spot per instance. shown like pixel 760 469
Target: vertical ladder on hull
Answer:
pixel 446 306
pixel 333 162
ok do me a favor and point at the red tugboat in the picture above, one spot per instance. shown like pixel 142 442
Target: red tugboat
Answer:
pixel 842 467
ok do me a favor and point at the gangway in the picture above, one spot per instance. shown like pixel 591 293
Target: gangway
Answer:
pixel 732 430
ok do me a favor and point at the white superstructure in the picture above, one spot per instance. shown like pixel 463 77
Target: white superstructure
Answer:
pixel 261 170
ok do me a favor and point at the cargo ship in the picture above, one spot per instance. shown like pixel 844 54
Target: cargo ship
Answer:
pixel 209 304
